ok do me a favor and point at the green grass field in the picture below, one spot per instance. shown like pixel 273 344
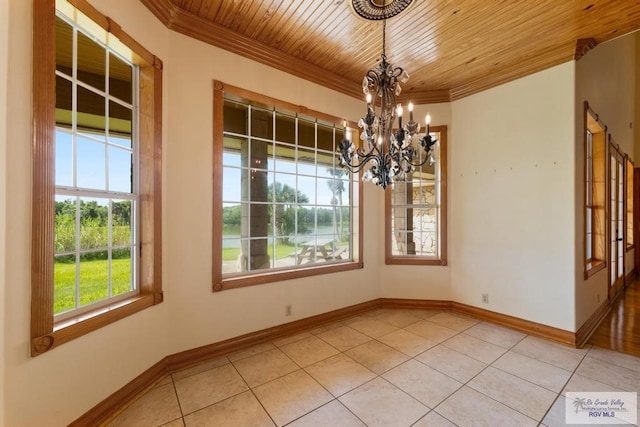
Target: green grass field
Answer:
pixel 93 282
pixel 282 251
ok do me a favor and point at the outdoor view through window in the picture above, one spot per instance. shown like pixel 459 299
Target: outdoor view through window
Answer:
pixel 286 200
pixel 95 199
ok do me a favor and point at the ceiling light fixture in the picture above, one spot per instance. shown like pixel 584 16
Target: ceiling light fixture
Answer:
pixel 389 154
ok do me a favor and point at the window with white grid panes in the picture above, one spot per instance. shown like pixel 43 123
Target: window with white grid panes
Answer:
pixel 96 201
pixel 286 202
pixel 416 220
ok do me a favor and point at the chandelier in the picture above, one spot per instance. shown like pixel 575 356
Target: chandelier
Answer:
pixel 390 155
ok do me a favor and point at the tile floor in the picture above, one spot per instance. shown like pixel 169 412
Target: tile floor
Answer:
pixel 387 368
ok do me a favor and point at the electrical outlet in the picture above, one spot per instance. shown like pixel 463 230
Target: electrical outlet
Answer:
pixel 287 310
pixel 485 298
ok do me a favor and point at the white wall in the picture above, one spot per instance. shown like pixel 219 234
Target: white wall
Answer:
pixel 4 48
pixel 512 198
pixel 606 78
pixel 189 200
pixel 419 282
pixel 57 387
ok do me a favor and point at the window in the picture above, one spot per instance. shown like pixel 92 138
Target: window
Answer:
pixel 595 178
pixel 629 202
pixel 97 104
pixel 415 211
pixel 287 206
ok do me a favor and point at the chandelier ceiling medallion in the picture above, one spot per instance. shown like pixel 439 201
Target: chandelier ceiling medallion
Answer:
pixel 389 154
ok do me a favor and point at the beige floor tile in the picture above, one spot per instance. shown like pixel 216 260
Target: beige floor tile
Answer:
pixel 309 351
pixel 497 335
pixel 433 419
pixel 407 342
pixel 516 393
pixel 166 380
pixel 208 387
pixel 288 398
pixel 399 318
pixel 431 331
pixel 175 423
pixel 241 410
pixel 581 383
pixel 422 382
pixel 452 363
pixel 453 321
pixel 344 338
pixel 371 326
pixel 288 340
pixel 251 351
pixel 473 347
pixel 546 351
pixel 380 403
pixel 616 376
pixel 540 373
pixel 613 357
pixel 205 366
pixel 327 327
pixel 332 414
pixel 376 356
pixel 424 313
pixel 265 367
pixel 158 406
pixel 556 417
pixel 467 407
pixel 340 374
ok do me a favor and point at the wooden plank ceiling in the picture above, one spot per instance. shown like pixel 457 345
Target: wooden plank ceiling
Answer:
pixel 450 48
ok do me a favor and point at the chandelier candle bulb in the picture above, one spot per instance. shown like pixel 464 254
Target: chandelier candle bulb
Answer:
pixel 399 111
pixel 410 107
pixel 427 120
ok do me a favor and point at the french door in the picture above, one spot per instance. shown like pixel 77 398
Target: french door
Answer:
pixel 617 229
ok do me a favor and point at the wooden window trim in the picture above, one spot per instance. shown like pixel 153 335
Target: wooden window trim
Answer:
pixel 628 191
pixel 219 282
pixel 593 264
pixel 421 260
pixel 45 334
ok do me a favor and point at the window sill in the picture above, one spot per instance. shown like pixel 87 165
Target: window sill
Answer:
pixel 72 328
pixel 593 267
pixel 279 275
pixel 414 260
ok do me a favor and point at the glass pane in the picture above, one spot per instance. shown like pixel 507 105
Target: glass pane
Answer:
pixel 306 162
pixel 65 225
pixel 63 102
pixel 94 223
pixel 121 272
pixel 121 225
pixel 120 170
pixel 285 158
pixel 91 111
pixel 284 189
pixel 328 191
pixel 425 243
pixel 259 154
pixel 120 81
pixel 94 277
pixel 285 222
pixel 64 159
pixel 64 288
pixel 91 62
pixel 325 138
pixel 64 46
pixel 90 164
pixel 285 128
pixel 120 119
pixel 589 220
pixel 259 220
pixel 306 133
pixel 261 123
pixel 231 220
pixel 235 118
pixel 327 169
pixel 231 155
pixel 233 188
pixel 307 189
pixel 306 221
pixel 259 256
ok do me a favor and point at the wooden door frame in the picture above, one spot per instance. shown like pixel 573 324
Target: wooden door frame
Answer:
pixel 613 291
